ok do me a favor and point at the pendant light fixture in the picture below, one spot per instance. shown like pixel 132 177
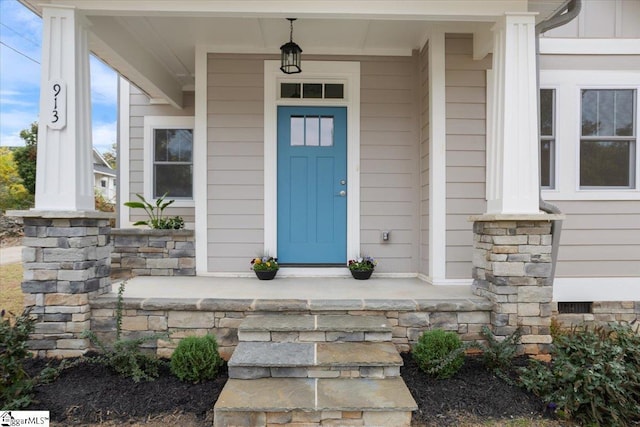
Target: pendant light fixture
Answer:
pixel 290 54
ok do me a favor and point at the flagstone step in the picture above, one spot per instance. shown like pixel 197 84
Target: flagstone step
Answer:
pixel 319 401
pixel 315 328
pixel 315 360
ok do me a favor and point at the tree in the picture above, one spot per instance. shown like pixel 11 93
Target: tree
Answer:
pixel 25 157
pixel 13 195
pixel 111 156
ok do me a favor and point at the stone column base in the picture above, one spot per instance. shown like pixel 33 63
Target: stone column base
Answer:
pixel 66 262
pixel 512 267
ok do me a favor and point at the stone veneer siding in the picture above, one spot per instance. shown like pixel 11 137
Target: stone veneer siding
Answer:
pixel 181 318
pixel 66 263
pixel 512 267
pixel 148 252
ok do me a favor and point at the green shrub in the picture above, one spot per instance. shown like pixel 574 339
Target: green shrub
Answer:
pixel 498 355
pixel 439 353
pixel 196 359
pixel 125 356
pixel 15 384
pixel 594 377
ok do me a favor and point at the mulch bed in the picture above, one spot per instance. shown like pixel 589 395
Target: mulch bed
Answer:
pixel 91 394
pixel 473 392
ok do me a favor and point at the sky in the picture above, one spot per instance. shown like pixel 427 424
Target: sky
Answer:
pixel 20 52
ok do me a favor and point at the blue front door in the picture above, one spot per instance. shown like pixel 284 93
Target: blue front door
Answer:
pixel 312 185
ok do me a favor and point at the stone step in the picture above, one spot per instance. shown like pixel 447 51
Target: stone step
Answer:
pixel 315 328
pixel 319 401
pixel 315 360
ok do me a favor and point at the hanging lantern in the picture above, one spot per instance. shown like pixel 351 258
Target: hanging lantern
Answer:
pixel 290 54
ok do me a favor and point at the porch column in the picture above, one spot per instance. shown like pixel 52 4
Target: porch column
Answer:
pixel 64 166
pixel 512 143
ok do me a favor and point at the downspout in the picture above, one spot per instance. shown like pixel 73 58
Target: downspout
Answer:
pixel 568 11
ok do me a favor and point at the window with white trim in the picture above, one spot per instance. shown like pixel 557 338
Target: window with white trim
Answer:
pixel 547 138
pixel 607 140
pixel 169 158
pixel 592 152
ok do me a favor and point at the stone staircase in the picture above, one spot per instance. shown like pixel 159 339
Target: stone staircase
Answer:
pixel 314 370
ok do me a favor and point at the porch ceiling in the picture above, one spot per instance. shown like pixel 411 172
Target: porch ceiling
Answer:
pixel 153 43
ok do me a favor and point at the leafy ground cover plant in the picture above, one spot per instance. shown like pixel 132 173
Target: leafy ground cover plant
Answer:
pixel 196 359
pixel 155 212
pixel 15 384
pixel 594 378
pixel 439 353
pixel 498 355
pixel 125 356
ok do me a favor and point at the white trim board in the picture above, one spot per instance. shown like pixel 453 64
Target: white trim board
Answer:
pixel 437 159
pixel 349 72
pixel 200 154
pixel 124 123
pixel 577 289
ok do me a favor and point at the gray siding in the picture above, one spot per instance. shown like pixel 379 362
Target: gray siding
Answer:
pixel 389 161
pixel 590 62
pixel 235 161
pixel 466 124
pixel 424 162
pixel 389 165
pixel 599 239
pixel 139 108
pixel 602 19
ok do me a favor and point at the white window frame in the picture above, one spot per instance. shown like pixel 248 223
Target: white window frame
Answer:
pixel 554 148
pixel 163 122
pixel 568 85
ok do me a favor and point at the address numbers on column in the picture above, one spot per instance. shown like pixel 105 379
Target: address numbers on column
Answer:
pixel 57 104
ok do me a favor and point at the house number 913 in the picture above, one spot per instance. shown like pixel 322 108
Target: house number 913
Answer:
pixel 57 104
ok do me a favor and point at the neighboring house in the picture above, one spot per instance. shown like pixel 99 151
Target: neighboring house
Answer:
pixel 104 177
pixel 407 119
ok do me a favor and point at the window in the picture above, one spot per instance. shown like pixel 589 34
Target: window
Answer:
pixel 312 90
pixel 607 140
pixel 312 131
pixel 173 163
pixel 547 138
pixel 589 135
pixel 103 183
pixel 169 158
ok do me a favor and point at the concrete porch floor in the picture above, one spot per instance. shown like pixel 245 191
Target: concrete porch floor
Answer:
pixel 288 288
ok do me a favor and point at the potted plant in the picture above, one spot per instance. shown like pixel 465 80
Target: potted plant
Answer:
pixel 362 268
pixel 265 267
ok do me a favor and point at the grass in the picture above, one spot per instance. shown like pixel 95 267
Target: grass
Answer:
pixel 10 280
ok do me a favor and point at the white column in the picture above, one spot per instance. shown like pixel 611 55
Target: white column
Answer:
pixel 512 148
pixel 64 173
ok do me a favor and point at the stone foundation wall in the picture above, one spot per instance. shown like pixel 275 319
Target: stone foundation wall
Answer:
pixel 512 267
pixel 147 252
pixel 602 312
pixel 66 263
pixel 221 318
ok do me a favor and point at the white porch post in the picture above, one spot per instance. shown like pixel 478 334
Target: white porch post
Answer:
pixel 64 172
pixel 512 148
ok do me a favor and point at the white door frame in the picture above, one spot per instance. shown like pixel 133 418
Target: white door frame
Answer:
pixel 318 71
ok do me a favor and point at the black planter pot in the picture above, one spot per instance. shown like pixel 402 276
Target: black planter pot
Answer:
pixel 361 274
pixel 266 274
